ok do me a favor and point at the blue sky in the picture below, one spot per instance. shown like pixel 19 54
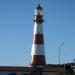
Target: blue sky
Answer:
pixel 16 30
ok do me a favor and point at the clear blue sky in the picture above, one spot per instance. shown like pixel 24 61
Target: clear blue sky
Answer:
pixel 16 30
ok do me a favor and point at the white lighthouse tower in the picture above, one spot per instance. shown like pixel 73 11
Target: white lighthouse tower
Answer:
pixel 38 50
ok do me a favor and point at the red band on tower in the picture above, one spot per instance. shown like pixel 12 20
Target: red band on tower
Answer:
pixel 38 39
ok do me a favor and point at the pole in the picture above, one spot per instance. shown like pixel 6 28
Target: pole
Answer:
pixel 38 1
pixel 59 52
pixel 59 57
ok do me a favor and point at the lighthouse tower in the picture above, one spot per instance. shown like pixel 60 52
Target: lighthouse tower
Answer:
pixel 38 50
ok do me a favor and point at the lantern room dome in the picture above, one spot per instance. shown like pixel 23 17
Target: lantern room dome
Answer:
pixel 39 7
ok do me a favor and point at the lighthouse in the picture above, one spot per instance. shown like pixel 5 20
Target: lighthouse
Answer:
pixel 38 49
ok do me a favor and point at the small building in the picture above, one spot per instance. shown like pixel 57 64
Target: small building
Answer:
pixel 15 70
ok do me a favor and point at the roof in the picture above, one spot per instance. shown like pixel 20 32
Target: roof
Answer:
pixel 29 69
pixel 39 7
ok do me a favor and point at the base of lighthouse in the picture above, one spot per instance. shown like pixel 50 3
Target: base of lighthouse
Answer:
pixel 38 60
